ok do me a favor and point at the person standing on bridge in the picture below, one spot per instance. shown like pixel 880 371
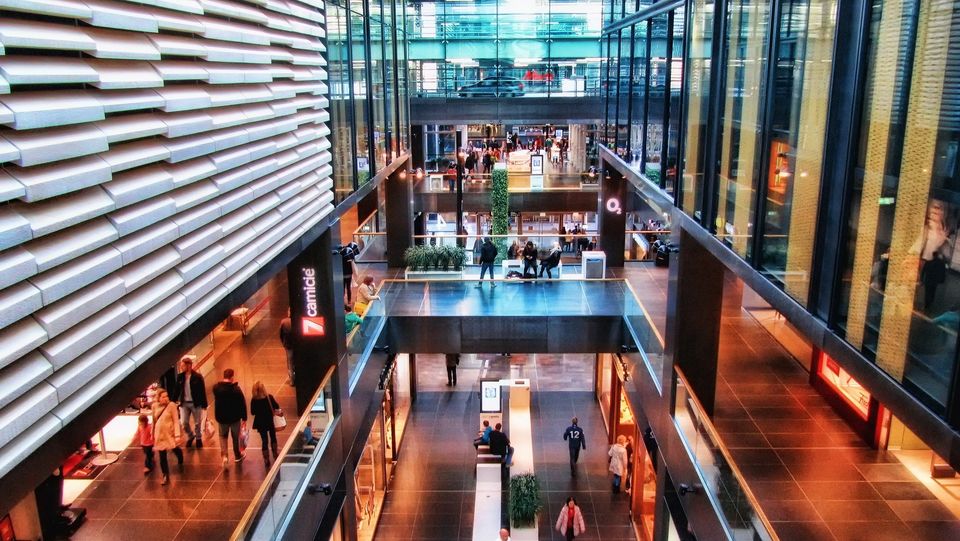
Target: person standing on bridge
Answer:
pixel 576 440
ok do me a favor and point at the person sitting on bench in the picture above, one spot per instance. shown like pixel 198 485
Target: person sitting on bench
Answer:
pixel 484 435
pixel 500 445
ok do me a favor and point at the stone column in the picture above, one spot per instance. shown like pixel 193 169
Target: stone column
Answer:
pixel 612 224
pixel 399 208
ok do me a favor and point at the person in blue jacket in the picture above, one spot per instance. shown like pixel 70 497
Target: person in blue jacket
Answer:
pixel 576 440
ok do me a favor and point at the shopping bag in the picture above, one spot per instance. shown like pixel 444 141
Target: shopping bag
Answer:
pixel 209 430
pixel 279 420
pixel 244 438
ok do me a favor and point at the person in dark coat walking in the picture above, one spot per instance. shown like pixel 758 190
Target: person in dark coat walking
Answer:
pixel 452 361
pixel 488 256
pixel 576 441
pixel 191 393
pixel 230 411
pixel 263 406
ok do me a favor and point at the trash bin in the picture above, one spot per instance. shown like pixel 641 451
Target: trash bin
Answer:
pixel 594 264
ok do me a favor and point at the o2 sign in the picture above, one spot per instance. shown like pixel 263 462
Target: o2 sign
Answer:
pixel 613 205
pixel 312 323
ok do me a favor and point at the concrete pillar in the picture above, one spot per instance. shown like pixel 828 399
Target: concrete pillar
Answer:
pixel 399 208
pixel 612 216
pixel 315 280
pixel 695 304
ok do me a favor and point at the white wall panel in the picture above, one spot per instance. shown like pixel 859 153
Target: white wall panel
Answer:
pixel 194 152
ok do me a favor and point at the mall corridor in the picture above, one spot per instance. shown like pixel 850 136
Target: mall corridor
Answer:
pixel 203 501
pixel 432 493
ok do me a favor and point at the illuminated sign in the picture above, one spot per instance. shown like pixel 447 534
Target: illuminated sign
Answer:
pixel 613 205
pixel 313 326
pixel 490 396
pixel 311 323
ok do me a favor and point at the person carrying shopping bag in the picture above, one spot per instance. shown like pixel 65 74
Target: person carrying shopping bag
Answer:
pixel 263 407
pixel 167 434
pixel 570 522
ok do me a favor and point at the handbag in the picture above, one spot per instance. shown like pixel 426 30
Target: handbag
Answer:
pixel 209 430
pixel 279 420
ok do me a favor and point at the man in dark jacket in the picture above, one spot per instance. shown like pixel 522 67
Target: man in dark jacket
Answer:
pixel 231 414
pixel 576 441
pixel 191 393
pixel 452 361
pixel 488 255
pixel 500 445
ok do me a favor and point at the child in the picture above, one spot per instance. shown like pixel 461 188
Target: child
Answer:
pixel 145 435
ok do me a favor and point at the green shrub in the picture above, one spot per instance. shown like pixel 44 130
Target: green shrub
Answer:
pixel 500 206
pixel 524 499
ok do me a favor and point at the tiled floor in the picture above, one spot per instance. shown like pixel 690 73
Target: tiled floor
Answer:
pixel 203 501
pixel 432 493
pixel 815 478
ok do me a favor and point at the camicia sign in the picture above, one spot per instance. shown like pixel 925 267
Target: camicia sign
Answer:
pixel 311 323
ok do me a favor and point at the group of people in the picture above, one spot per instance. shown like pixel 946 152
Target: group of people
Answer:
pixel 178 415
pixel 570 522
pixel 531 256
pixel 574 240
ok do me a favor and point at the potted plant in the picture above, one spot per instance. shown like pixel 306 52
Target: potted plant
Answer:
pixel 459 257
pixel 444 255
pixel 525 500
pixel 413 257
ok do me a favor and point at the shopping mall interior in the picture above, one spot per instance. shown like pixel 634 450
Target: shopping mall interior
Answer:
pixel 648 270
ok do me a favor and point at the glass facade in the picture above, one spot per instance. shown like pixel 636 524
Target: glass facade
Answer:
pixel 505 48
pixel 900 300
pixel 755 108
pixel 642 87
pixel 369 115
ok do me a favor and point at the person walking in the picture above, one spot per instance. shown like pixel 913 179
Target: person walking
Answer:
pixel 452 361
pixel 286 339
pixel 576 441
pixel 145 437
pixel 570 522
pixel 230 413
pixel 166 432
pixel 530 260
pixel 263 406
pixel 618 462
pixel 192 395
pixel 488 256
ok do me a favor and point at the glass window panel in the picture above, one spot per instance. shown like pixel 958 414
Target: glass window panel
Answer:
pixel 359 92
pixel 745 63
pixel 900 294
pixel 675 80
pixel 696 103
pixel 623 93
pixel 798 123
pixel 638 86
pixel 378 88
pixel 341 136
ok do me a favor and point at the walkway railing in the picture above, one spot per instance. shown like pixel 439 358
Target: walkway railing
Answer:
pixel 723 482
pixel 269 513
pixel 286 482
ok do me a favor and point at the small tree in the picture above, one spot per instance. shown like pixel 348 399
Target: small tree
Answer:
pixel 525 500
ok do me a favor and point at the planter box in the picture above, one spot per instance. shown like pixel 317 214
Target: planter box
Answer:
pixel 432 274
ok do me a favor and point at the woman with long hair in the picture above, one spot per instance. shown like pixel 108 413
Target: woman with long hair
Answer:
pixel 264 406
pixel 167 434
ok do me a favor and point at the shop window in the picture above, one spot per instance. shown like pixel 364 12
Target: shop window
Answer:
pixel 845 385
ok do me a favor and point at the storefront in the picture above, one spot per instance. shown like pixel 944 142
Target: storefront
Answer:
pixel 620 420
pixel 382 448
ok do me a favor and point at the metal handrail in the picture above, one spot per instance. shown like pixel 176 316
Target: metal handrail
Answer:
pixel 248 522
pixel 717 441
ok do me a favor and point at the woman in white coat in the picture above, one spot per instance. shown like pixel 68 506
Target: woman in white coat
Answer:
pixel 618 462
pixel 570 521
pixel 167 434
